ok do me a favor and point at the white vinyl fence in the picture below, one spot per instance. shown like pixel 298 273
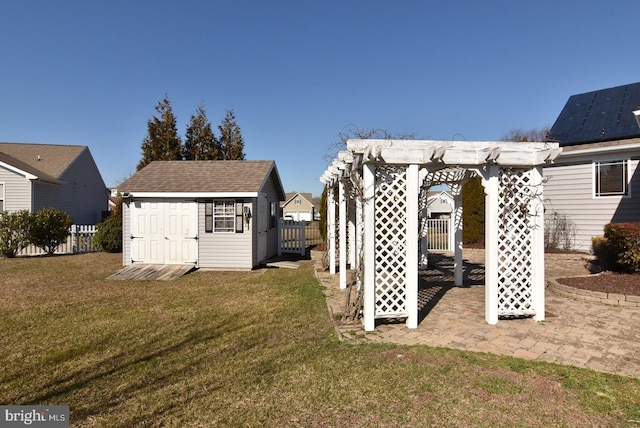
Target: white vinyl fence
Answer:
pixel 292 237
pixel 438 234
pixel 79 241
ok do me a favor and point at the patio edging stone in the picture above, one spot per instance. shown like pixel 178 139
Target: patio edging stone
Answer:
pixel 614 299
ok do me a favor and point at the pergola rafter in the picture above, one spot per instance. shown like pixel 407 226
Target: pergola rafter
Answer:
pixel 385 177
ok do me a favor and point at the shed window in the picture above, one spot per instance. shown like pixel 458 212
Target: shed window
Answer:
pixel 611 178
pixel 223 216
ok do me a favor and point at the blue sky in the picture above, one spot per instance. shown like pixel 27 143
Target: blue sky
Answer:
pixel 297 73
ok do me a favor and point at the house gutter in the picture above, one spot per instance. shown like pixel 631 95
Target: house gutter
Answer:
pixel 188 194
pixel 581 152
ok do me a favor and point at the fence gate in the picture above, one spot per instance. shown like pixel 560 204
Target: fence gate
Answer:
pixel 438 234
pixel 292 237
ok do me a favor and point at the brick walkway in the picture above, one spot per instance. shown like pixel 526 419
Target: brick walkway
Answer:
pixel 575 332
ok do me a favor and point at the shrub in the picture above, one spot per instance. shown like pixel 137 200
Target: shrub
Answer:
pixel 559 231
pixel 473 211
pixel 49 229
pixel 14 232
pixel 624 241
pixel 322 224
pixel 602 251
pixel 108 237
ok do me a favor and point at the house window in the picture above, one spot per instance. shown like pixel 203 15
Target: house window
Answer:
pixel 611 178
pixel 223 216
pixel 1 197
pixel 298 201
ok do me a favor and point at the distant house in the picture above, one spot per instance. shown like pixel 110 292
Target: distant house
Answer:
pixel 212 214
pixel 596 179
pixel 439 204
pixel 299 207
pixel 35 176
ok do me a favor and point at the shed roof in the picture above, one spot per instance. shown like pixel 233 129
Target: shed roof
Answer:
pixel 596 116
pixel 46 161
pixel 203 176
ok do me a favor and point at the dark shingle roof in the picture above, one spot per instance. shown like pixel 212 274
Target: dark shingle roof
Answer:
pixel 602 115
pixel 200 176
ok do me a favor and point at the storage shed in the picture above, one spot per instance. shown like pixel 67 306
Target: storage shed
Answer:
pixel 212 214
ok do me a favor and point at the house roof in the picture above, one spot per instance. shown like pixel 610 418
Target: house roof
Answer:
pixel 597 116
pixel 45 161
pixel 291 195
pixel 202 177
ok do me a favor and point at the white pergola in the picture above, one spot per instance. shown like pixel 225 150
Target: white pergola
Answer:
pixel 376 205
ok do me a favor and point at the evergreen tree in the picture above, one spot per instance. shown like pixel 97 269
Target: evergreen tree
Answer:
pixel 473 211
pixel 162 141
pixel 199 141
pixel 231 142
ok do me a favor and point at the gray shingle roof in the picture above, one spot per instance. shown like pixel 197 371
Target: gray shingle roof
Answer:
pixel 46 161
pixel 200 176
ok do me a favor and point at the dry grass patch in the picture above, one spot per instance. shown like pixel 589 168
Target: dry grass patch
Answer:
pixel 256 349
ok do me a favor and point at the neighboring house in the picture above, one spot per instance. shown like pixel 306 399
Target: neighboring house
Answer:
pixel 36 176
pixel 596 179
pixel 299 207
pixel 439 204
pixel 213 214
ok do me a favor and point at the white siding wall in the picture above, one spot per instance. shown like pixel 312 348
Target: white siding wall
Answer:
pixel 83 195
pixel 225 250
pixel 439 205
pixel 17 191
pixel 126 233
pixel 569 190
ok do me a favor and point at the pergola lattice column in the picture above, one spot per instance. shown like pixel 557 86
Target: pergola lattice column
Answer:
pixel 455 234
pixel 342 234
pixel 331 228
pixel 369 242
pixel 351 227
pixel 491 222
pixel 411 245
pixel 537 209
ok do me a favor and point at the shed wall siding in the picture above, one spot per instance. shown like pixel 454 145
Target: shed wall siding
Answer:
pixel 126 234
pixel 437 205
pixel 223 250
pixel 83 194
pixel 270 190
pixel 569 190
pixel 17 190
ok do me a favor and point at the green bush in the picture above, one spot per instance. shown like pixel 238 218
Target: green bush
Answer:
pixel 624 242
pixel 49 229
pixel 108 237
pixel 14 232
pixel 473 211
pixel 322 225
pixel 604 254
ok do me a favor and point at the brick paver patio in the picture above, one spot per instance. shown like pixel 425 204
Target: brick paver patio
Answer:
pixel 575 332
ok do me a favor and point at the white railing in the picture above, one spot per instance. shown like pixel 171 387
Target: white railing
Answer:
pixel 80 240
pixel 292 237
pixel 438 234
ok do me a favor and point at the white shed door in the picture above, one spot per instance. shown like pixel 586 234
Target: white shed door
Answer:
pixel 164 231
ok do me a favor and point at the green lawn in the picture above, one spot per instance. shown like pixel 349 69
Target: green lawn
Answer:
pixel 256 349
